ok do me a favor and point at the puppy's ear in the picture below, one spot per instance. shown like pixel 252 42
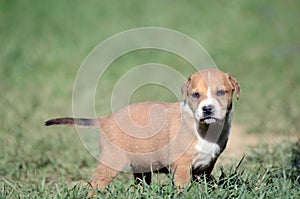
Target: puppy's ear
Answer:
pixel 184 89
pixel 235 85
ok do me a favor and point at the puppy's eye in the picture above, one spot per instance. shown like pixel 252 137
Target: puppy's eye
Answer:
pixel 220 92
pixel 196 95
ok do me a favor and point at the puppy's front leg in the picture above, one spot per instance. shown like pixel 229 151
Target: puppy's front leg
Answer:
pixel 182 176
pixel 103 176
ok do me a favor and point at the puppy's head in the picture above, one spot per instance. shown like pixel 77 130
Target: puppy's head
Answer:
pixel 208 93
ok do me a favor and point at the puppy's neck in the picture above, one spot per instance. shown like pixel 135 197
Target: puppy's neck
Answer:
pixel 217 132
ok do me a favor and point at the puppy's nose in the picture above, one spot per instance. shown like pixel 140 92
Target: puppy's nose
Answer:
pixel 207 110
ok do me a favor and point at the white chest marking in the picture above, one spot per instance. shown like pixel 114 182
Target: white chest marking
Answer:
pixel 204 151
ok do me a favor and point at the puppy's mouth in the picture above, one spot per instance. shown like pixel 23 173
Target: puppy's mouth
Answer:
pixel 209 120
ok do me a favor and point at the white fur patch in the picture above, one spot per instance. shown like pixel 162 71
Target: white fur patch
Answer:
pixel 210 121
pixel 209 92
pixel 204 150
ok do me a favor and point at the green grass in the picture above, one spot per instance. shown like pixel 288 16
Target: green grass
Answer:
pixel 268 172
pixel 42 45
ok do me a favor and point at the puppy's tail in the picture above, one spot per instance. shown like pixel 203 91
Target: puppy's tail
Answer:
pixel 78 122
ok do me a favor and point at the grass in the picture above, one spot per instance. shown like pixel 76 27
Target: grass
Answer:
pixel 268 172
pixel 44 43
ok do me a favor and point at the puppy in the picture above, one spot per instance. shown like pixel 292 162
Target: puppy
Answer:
pixel 183 138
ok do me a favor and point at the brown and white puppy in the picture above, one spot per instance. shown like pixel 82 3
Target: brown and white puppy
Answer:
pixel 182 138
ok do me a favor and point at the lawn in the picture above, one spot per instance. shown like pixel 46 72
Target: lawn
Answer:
pixel 43 43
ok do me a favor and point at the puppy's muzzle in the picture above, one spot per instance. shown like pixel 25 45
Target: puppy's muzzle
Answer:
pixel 208 114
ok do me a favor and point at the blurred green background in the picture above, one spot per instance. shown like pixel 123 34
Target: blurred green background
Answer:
pixel 43 43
